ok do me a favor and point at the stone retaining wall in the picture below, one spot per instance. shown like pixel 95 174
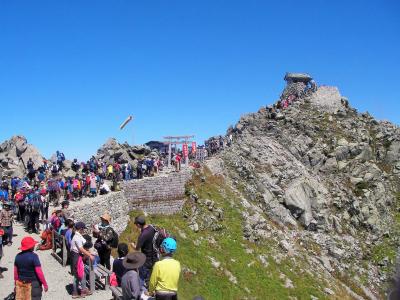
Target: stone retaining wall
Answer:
pixel 163 194
pixel 89 210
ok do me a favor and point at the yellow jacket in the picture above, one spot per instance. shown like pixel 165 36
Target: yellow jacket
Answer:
pixel 165 275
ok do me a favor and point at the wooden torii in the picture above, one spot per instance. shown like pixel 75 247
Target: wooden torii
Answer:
pixel 175 140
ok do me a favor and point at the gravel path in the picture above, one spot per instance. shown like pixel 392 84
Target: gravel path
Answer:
pixel 57 277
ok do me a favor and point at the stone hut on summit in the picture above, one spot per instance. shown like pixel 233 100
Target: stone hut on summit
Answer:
pixel 297 84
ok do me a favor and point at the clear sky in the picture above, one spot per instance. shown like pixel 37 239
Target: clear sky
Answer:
pixel 72 71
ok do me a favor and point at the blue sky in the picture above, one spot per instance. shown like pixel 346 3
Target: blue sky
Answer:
pixel 72 71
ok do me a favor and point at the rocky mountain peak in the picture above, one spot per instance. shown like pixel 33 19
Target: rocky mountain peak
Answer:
pixel 319 167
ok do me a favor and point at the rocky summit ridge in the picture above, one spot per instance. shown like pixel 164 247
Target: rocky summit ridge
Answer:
pixel 323 180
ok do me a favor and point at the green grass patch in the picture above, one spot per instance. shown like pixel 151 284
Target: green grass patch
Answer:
pixel 227 246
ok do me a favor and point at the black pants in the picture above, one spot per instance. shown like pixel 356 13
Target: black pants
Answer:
pixel 105 258
pixel 21 213
pixel 166 297
pixel 45 213
pixel 36 292
pixel 33 221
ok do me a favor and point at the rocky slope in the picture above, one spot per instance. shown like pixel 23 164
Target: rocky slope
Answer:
pixel 112 151
pixel 14 153
pixel 322 181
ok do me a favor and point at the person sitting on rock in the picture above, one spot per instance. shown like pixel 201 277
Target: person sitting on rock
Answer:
pixel 165 275
pixel 47 240
pixel 104 188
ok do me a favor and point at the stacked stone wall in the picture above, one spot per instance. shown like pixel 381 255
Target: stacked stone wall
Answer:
pixel 163 194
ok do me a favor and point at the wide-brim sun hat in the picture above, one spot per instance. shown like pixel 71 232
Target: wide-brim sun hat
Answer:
pixel 134 260
pixel 27 243
pixel 106 217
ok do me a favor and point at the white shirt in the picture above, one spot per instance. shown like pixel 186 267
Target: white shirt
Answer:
pixel 77 242
pixel 105 187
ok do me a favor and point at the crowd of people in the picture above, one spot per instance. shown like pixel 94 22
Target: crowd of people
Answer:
pixel 149 270
pixel 28 200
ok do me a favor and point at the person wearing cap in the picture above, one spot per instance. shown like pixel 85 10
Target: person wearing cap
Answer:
pixel 165 275
pixel 6 222
pixel 105 235
pixel 77 249
pixel 145 244
pixel 28 275
pixel 130 282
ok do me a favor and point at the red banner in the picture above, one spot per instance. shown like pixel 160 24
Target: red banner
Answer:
pixel 194 147
pixel 185 150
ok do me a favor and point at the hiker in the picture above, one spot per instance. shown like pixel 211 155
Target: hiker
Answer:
pixel 77 251
pixel 3 194
pixel 53 188
pixel 54 169
pixel 313 85
pixel 118 267
pixel 47 240
pixel 1 250
pixel 28 274
pixel 93 185
pixel 104 188
pixel 165 275
pixel 55 219
pixel 75 166
pixel 45 205
pixel 106 238
pixel 110 170
pixel 19 201
pixel 139 170
pixel 64 210
pixel 145 244
pixel 130 282
pixel 34 209
pixel 6 222
pixel 60 160
pixel 69 232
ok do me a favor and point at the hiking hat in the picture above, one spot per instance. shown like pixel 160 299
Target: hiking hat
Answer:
pixel 27 243
pixel 80 225
pixel 140 220
pixel 106 217
pixel 134 260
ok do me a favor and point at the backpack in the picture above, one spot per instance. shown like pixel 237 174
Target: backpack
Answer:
pixel 75 184
pixel 19 197
pixel 53 185
pixel 115 240
pixel 159 235
pixel 36 203
pixel 3 195
pixel 54 169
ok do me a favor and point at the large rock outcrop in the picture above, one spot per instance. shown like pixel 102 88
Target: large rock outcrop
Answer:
pixel 112 152
pixel 14 153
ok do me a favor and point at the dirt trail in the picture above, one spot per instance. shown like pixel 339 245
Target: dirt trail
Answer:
pixel 58 278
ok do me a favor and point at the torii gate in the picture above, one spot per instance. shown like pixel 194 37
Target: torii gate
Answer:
pixel 175 140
